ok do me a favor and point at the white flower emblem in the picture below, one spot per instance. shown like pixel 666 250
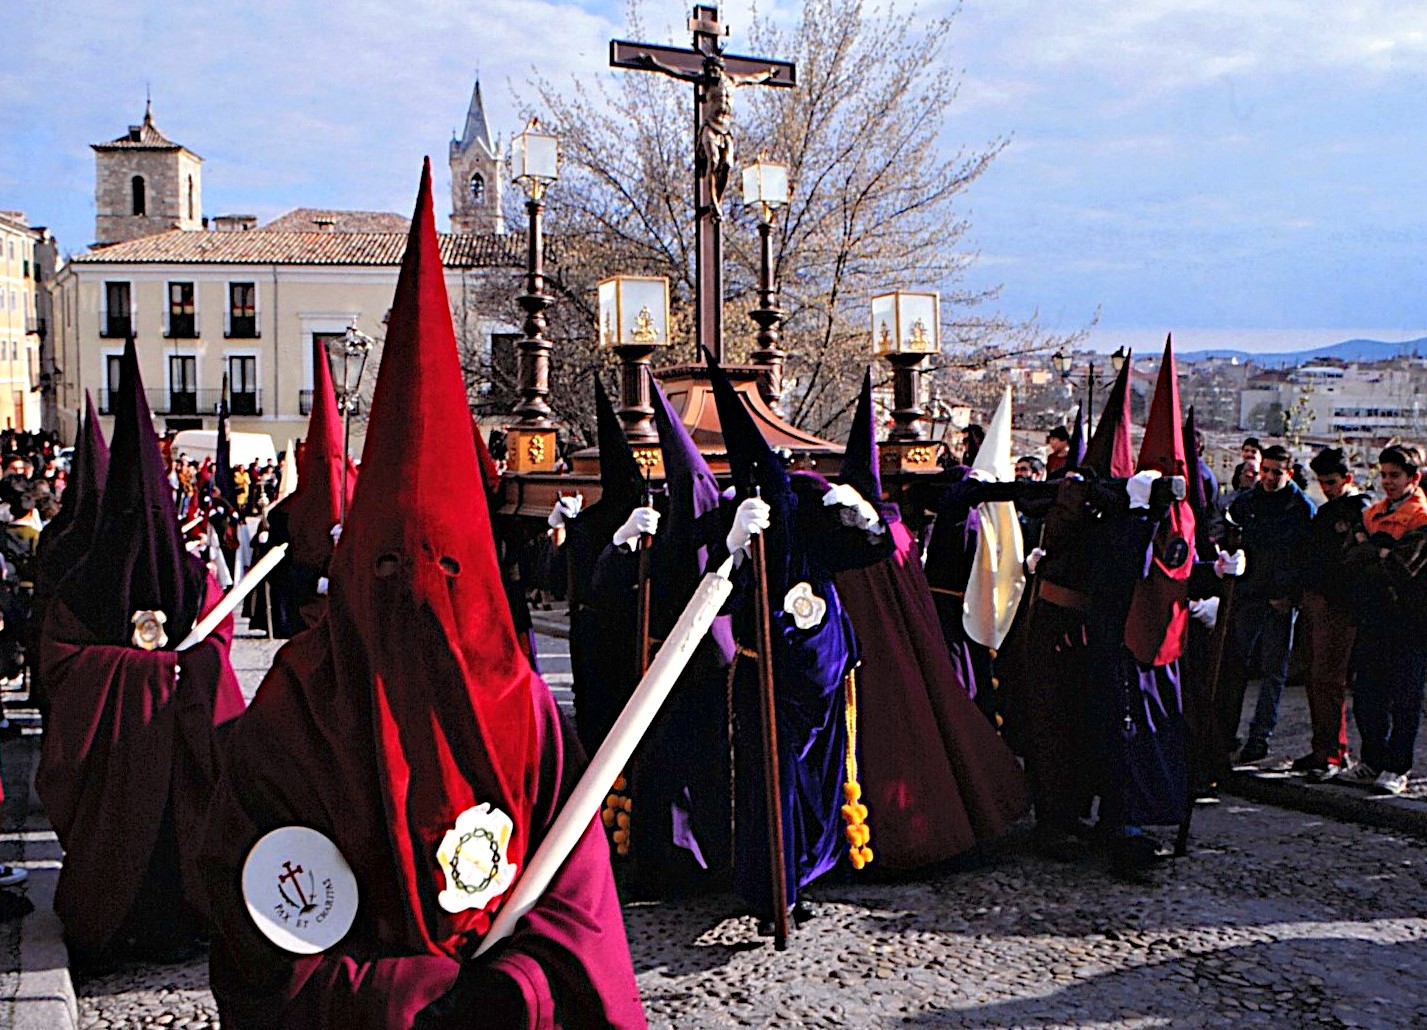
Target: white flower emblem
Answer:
pixel 806 607
pixel 473 857
pixel 149 630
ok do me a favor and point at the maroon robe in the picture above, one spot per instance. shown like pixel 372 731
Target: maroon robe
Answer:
pixel 936 778
pixel 128 761
pixel 569 952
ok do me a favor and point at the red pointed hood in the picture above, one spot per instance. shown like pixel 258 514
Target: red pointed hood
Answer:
pixel 1159 613
pixel 316 506
pixel 417 614
pixel 490 471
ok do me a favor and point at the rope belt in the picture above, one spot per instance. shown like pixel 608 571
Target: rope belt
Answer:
pixel 949 593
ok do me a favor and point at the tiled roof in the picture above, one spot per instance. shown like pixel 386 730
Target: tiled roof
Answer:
pixel 141 137
pixel 260 247
pixel 305 219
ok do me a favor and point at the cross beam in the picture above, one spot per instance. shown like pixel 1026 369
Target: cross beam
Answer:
pixel 714 76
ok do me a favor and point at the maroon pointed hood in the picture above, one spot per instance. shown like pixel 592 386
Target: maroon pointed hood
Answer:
pixel 142 564
pixel 1110 452
pixel 417 614
pixel 316 505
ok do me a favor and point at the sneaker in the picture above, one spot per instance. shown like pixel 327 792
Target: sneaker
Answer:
pixel 1253 751
pixel 1360 775
pixel 1330 772
pixel 1309 763
pixel 10 876
pixel 1390 783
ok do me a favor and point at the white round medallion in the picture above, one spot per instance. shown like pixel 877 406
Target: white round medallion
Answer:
pixel 299 890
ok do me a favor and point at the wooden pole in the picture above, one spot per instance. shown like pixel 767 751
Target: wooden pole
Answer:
pixel 776 863
pixel 645 587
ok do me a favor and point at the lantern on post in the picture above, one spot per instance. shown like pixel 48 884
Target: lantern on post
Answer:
pixel 765 190
pixel 634 323
pixel 531 440
pixel 905 329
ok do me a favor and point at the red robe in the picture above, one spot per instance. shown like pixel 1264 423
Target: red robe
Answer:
pixel 128 762
pixel 569 953
pixel 935 776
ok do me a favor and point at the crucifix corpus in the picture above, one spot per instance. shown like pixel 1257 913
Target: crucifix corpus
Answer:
pixel 715 76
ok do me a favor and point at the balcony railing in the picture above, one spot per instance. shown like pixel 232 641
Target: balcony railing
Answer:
pixel 182 327
pixel 191 402
pixel 304 403
pixel 242 327
pixel 116 327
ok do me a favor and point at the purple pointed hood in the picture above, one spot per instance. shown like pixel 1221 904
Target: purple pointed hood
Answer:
pixel 1076 457
pixel 70 533
pixel 861 460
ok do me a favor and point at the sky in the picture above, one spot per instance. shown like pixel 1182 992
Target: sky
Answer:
pixel 1244 174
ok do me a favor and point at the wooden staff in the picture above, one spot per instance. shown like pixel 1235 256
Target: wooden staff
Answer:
pixel 645 591
pixel 774 799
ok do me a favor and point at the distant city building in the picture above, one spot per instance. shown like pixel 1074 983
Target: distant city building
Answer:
pixel 26 261
pixel 1376 400
pixel 225 297
pixel 477 193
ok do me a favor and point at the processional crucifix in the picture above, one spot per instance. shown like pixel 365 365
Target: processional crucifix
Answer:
pixel 715 76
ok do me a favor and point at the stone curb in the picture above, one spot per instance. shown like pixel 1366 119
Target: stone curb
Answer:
pixel 44 998
pixel 1346 804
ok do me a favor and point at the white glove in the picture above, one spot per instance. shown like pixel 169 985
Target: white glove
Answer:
pixel 322 584
pixel 263 537
pixel 336 533
pixel 1230 564
pixel 1034 559
pixel 857 512
pixel 753 517
pixel 1205 611
pixel 1139 488
pixel 565 508
pixel 641 520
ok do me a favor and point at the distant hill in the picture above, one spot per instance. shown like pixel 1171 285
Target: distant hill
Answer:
pixel 1348 350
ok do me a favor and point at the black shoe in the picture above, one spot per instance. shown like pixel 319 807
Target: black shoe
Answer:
pixel 1309 763
pixel 803 911
pixel 1058 845
pixel 1131 860
pixel 1253 751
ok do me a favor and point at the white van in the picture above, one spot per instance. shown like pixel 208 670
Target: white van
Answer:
pixel 245 448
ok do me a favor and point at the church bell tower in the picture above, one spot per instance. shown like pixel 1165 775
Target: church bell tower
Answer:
pixel 476 181
pixel 145 183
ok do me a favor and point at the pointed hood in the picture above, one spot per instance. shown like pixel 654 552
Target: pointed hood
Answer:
pixel 316 505
pixel 420 632
pixel 1109 452
pixel 139 563
pixel 1195 484
pixel 1159 613
pixel 223 479
pixel 754 464
pixel 861 459
pixel 69 534
pixel 490 471
pixel 621 478
pixel 1076 456
pixel 84 483
pixel 287 483
pixel 998 574
pixel 692 519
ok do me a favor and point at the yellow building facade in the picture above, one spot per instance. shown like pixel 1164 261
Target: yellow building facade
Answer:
pixel 19 323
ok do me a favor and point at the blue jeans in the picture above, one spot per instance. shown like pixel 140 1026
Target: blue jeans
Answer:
pixel 1391 665
pixel 1265 639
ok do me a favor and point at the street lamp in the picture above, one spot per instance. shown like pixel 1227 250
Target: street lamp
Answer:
pixel 1062 362
pixel 634 323
pixel 765 189
pixel 1117 360
pixel 352 348
pixel 905 329
pixel 534 165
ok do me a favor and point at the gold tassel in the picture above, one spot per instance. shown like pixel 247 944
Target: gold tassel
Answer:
pixel 615 815
pixel 854 812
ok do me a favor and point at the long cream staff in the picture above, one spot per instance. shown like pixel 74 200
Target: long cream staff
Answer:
pixel 589 794
pixel 234 597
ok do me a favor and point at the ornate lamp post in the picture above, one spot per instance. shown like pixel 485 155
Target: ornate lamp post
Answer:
pixel 765 189
pixel 634 322
pixel 905 329
pixel 352 349
pixel 534 165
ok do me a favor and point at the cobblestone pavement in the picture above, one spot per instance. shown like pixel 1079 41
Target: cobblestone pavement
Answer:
pixel 1277 919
